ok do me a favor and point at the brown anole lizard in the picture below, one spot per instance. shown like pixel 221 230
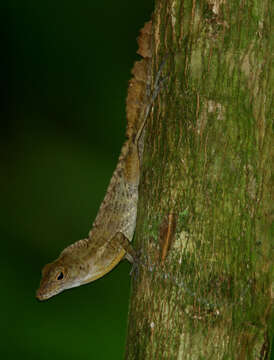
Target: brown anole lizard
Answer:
pixel 109 239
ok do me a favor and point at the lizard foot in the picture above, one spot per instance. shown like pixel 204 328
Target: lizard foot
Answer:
pixel 136 263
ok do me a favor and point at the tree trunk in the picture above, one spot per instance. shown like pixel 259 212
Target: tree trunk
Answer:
pixel 203 290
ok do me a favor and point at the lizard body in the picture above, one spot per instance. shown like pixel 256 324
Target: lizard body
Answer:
pixel 109 239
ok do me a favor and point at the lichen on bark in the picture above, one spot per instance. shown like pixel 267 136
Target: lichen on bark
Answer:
pixel 207 161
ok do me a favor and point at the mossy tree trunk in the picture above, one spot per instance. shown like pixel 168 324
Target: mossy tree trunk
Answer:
pixel 204 218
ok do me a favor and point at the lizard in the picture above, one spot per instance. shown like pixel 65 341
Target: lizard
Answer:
pixel 109 239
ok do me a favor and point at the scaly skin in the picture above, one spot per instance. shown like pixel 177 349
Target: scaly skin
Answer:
pixel 91 258
pixel 113 229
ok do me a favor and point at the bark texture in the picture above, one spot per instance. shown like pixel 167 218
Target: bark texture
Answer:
pixel 205 211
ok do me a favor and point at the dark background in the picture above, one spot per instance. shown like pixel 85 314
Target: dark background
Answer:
pixel 65 67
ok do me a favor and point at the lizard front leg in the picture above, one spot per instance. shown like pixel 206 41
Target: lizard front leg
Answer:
pixel 131 255
pixel 119 240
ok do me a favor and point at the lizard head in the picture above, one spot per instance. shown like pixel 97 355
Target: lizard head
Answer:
pixel 63 273
pixel 77 264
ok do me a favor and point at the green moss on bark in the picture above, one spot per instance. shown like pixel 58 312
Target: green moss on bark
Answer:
pixel 207 160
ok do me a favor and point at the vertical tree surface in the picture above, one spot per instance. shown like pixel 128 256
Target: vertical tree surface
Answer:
pixel 203 290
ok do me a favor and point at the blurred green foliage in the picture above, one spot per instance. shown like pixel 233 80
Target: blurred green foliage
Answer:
pixel 65 69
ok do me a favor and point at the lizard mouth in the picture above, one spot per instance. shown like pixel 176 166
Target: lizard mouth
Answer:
pixel 41 296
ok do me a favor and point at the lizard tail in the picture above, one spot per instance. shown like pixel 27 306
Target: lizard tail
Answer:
pixel 139 85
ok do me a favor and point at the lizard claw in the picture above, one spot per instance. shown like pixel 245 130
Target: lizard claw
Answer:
pixel 134 272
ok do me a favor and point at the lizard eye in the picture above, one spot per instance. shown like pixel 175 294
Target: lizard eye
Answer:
pixel 60 276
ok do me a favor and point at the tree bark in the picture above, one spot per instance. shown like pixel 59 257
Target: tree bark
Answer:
pixel 203 290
